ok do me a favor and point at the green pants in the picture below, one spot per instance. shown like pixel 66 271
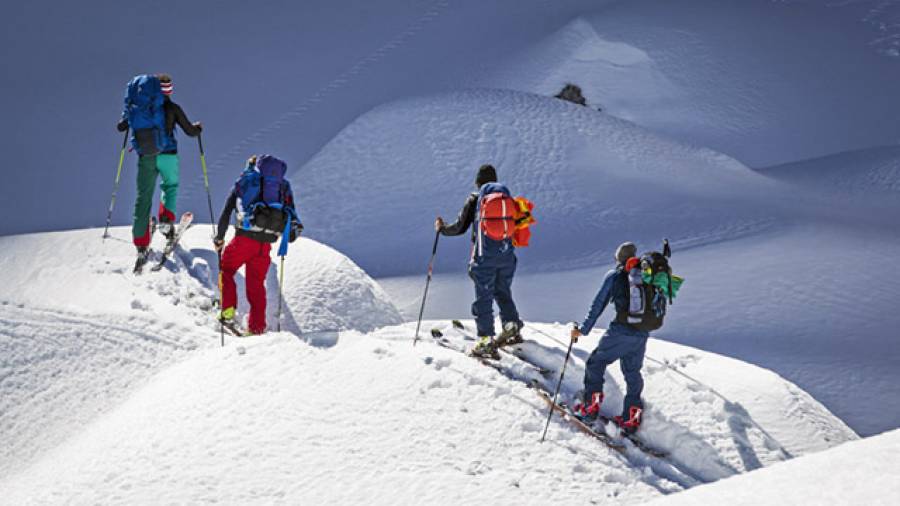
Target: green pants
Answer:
pixel 149 167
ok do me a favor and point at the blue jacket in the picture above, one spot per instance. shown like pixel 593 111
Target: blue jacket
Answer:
pixel 614 289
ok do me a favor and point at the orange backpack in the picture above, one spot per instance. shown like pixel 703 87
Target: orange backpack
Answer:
pixel 497 217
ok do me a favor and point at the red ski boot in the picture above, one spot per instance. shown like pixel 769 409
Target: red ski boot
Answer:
pixel 634 420
pixel 590 410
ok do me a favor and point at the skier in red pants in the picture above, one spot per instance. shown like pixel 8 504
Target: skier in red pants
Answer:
pixel 264 204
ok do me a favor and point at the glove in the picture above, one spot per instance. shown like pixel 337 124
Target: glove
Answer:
pixel 438 224
pixel 218 244
pixel 296 229
pixel 198 125
pixel 575 334
pixel 122 125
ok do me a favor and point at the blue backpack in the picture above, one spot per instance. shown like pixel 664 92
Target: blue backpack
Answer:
pixel 145 115
pixel 263 195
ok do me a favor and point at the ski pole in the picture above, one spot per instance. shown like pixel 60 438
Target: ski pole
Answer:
pixel 437 235
pixel 212 217
pixel 112 200
pixel 221 322
pixel 556 393
pixel 280 291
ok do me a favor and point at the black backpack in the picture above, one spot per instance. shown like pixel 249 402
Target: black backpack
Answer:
pixel 646 303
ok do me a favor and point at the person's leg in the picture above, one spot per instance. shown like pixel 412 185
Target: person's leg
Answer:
pixel 631 364
pixel 256 270
pixel 168 171
pixel 610 348
pixel 484 276
pixel 146 182
pixel 233 257
pixel 506 270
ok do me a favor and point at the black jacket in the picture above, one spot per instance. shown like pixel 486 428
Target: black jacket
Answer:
pixel 465 219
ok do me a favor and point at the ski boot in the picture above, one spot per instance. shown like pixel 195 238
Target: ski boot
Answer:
pixel 226 317
pixel 143 255
pixel 633 423
pixel 167 228
pixel 510 335
pixel 588 411
pixel 486 348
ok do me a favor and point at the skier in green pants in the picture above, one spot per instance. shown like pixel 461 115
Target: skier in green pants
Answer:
pixel 158 154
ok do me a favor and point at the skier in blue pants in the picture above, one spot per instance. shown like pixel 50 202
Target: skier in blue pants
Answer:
pixel 621 342
pixel 492 267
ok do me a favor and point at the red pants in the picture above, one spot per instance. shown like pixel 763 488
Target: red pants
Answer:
pixel 255 256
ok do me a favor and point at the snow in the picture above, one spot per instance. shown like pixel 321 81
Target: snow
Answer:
pixel 873 173
pixel 768 155
pixel 842 475
pixel 79 332
pixel 597 181
pixel 589 174
pixel 744 77
pixel 375 419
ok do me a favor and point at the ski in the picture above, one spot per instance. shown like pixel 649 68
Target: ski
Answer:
pixel 232 328
pixel 603 437
pixel 497 365
pixel 187 219
pixel 635 440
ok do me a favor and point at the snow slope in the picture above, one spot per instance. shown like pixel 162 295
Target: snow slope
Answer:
pixel 79 332
pixel 744 77
pixel 374 419
pixel 871 173
pixel 593 178
pixel 842 475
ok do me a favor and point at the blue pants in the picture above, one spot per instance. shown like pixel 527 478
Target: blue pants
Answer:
pixel 493 277
pixel 628 347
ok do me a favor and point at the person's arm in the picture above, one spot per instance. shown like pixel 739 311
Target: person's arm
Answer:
pixel 600 302
pixel 225 217
pixel 296 224
pixel 191 129
pixel 464 220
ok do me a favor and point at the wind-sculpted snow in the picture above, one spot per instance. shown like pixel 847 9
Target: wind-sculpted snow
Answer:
pixel 375 189
pixel 375 420
pixel 79 332
pixel 870 173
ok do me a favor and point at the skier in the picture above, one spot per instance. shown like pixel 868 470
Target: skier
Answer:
pixel 492 264
pixel 622 341
pixel 152 117
pixel 264 204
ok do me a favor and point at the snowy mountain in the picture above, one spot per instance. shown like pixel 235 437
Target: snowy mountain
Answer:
pixel 759 136
pixel 145 403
